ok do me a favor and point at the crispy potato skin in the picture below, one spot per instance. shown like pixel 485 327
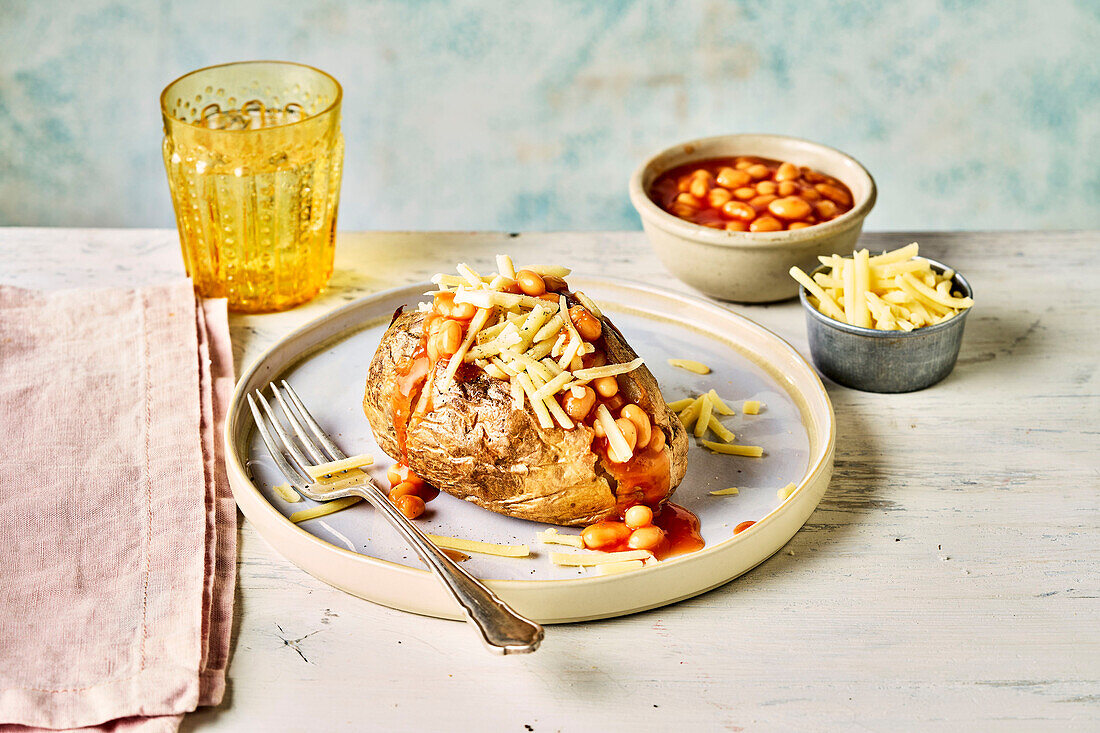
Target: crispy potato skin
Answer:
pixel 475 446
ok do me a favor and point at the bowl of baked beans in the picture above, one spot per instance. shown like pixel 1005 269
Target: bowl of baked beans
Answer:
pixel 730 215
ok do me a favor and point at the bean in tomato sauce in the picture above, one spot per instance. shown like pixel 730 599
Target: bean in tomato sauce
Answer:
pixel 750 194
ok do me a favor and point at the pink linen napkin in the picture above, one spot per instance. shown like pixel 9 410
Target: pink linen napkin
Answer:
pixel 117 527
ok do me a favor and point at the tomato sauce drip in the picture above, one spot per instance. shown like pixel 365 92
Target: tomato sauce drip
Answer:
pixel 644 479
pixel 681 528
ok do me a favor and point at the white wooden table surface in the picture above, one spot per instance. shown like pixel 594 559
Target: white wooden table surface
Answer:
pixel 949 580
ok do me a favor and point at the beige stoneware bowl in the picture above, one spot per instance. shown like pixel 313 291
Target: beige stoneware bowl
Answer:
pixel 749 267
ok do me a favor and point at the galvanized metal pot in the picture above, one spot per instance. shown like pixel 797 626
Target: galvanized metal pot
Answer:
pixel 885 361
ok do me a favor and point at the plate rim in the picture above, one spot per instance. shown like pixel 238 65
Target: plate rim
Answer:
pixel 821 459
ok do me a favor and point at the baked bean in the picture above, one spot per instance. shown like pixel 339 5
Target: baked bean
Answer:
pixel 637 415
pixel 799 225
pixel 604 535
pixel 638 516
pixel 702 193
pixel 405 488
pixel 739 210
pixel 432 348
pixel 587 325
pixel 765 224
pixel 443 303
pixel 630 433
pixel 718 197
pixel 553 284
pixel 834 193
pixel 550 297
pixel 761 202
pixel 450 337
pixel 700 187
pixel 531 283
pixel 411 506
pixel 606 387
pixel 732 178
pixel 597 428
pixel 398 473
pixel 787 172
pixel 646 538
pixel 790 207
pixel 463 311
pixel 657 442
pixel 826 209
pixel 758 171
pixel 578 406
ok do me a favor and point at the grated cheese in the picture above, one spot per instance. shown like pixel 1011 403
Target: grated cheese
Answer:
pixel 333 467
pixel 550 270
pixel 542 414
pixel 549 329
pixel 553 537
pixel 476 323
pixel 618 449
pixel 485 548
pixel 508 301
pixel 719 429
pixel 355 477
pixel 695 367
pixel 731 491
pixel 589 304
pixel 505 267
pixel 287 494
pixel 324 510
pixel 703 421
pixel 586 559
pixel 752 451
pixel 553 386
pixel 677 405
pixel 614 568
pixel 471 276
pixel 719 406
pixel 608 370
pixel 751 407
pixel 785 492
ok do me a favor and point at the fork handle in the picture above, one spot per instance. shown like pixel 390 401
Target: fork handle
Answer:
pixel 503 631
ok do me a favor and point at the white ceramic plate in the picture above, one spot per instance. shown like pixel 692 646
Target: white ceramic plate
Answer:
pixel 326 361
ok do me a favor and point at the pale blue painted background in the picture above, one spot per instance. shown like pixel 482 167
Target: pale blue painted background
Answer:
pixel 513 115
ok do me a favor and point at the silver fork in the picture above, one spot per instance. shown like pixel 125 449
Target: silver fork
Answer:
pixel 503 631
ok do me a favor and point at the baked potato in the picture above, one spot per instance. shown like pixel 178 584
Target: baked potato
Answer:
pixel 462 430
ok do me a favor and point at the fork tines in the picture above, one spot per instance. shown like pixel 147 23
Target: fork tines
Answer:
pixel 310 436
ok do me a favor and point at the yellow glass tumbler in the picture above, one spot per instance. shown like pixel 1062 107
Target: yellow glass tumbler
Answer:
pixel 254 155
